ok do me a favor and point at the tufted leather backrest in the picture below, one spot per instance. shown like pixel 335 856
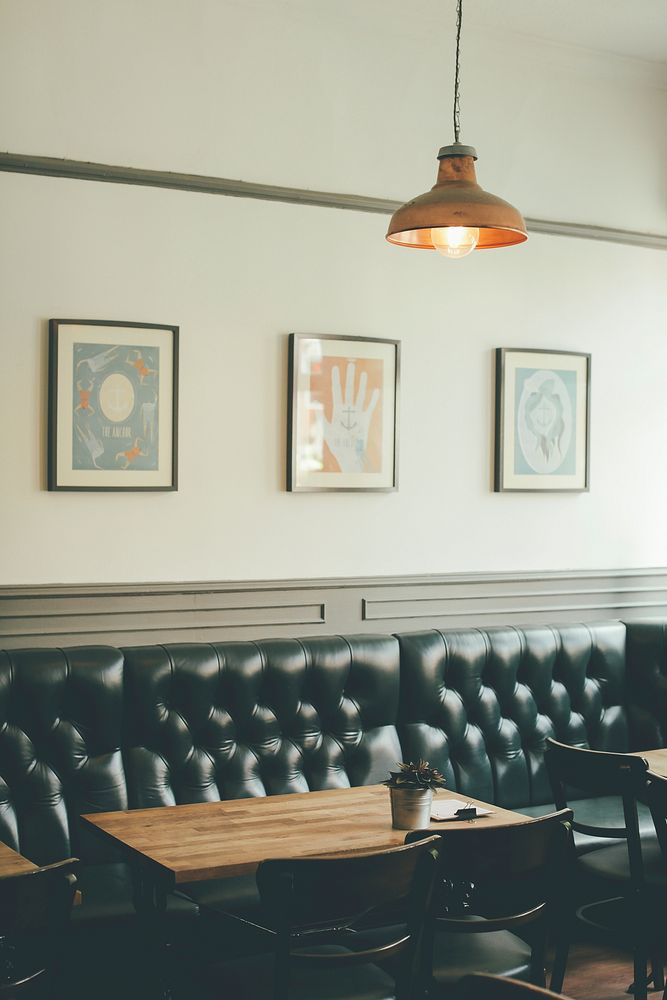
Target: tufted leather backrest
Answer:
pixel 647 683
pixel 240 719
pixel 60 747
pixel 479 704
pixel 97 728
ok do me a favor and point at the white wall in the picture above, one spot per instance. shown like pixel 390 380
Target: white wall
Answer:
pixel 310 94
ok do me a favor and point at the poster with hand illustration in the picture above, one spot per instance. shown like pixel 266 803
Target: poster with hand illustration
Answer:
pixel 343 413
pixel 542 420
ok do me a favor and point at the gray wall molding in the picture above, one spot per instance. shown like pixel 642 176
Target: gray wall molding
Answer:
pixel 48 166
pixel 136 614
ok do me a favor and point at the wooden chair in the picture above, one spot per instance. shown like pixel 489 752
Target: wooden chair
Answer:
pixel 34 911
pixel 483 987
pixel 655 797
pixel 631 872
pixel 501 892
pixel 313 907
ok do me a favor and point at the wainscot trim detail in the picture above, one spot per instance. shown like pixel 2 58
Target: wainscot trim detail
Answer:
pixel 50 166
pixel 138 614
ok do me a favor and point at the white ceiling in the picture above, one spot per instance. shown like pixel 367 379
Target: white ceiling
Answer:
pixel 627 27
pixel 634 28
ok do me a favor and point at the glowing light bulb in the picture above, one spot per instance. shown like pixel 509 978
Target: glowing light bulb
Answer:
pixel 455 241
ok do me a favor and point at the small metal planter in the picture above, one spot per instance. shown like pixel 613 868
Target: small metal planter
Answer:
pixel 410 808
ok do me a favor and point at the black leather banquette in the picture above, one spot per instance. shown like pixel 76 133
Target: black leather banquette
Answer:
pixel 97 728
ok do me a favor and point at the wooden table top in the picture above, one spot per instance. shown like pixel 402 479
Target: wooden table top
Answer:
pixel 12 863
pixel 657 760
pixel 220 839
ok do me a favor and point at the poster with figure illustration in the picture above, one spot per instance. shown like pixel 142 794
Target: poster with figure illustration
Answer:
pixel 115 392
pixel 542 420
pixel 343 413
pixel 112 409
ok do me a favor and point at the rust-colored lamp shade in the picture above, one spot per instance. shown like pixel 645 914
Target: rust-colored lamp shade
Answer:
pixel 457 203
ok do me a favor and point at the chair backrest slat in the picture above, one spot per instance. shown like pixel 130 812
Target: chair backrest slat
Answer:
pixel 595 772
pixel 335 891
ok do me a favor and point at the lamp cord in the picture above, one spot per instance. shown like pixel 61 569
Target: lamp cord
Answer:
pixel 457 107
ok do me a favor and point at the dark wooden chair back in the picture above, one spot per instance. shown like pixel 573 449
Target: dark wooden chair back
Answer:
pixel 481 986
pixel 510 876
pixel 313 903
pixel 506 874
pixel 34 911
pixel 627 777
pixel 596 772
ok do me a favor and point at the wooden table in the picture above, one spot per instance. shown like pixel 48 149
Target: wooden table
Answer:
pixel 12 863
pixel 657 760
pixel 173 845
pixel 177 844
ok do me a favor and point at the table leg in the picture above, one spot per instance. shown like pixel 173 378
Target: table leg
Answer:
pixel 150 902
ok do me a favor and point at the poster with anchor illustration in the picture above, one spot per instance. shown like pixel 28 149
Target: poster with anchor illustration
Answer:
pixel 343 413
pixel 112 405
pixel 542 420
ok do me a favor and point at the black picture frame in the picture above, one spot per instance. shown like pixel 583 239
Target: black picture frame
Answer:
pixel 542 438
pixel 80 435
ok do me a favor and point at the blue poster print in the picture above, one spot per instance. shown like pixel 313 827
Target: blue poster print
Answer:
pixel 545 421
pixel 115 403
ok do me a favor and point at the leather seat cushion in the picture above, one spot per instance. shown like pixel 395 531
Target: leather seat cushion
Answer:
pixel 252 979
pixel 605 810
pixel 107 900
pixel 455 955
pixel 227 895
pixel 498 952
pixel 611 863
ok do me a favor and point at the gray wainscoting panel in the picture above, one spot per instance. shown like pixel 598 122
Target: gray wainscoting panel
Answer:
pixel 137 614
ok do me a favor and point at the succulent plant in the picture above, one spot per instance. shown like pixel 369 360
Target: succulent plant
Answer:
pixel 418 775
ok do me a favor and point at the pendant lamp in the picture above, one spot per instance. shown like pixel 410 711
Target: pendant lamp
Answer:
pixel 456 216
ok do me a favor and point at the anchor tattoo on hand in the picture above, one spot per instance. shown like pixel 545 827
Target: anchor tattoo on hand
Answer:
pixel 346 434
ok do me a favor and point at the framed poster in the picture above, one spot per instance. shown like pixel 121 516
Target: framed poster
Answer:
pixel 542 420
pixel 113 405
pixel 343 413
